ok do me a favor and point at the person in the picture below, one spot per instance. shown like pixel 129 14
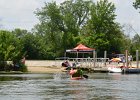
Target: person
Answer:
pixel 66 64
pixel 76 72
pixel 23 60
pixel 129 60
pixel 72 71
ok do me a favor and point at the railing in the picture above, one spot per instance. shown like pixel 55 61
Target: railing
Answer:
pixel 85 62
pixel 91 62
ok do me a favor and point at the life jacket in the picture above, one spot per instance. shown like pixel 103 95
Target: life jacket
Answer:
pixel 79 73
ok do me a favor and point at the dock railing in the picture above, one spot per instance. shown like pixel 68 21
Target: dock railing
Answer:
pixel 85 62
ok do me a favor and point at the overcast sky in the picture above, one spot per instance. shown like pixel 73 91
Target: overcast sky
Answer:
pixel 20 14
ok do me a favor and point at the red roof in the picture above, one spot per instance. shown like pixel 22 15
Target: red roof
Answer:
pixel 82 47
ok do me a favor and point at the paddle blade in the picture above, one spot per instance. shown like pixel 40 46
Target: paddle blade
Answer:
pixel 85 76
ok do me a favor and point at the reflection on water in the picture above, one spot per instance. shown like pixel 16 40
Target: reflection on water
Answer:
pixel 58 86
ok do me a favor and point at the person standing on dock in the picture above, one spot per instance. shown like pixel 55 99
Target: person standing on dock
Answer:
pixel 129 60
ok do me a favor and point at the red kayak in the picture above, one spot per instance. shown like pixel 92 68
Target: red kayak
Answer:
pixel 77 78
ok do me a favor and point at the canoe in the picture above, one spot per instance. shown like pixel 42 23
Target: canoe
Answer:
pixel 131 71
pixel 124 70
pixel 114 69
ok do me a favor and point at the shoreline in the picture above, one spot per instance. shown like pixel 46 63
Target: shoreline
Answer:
pixel 43 69
pixel 43 66
pixel 54 66
pixel 51 66
pixel 35 70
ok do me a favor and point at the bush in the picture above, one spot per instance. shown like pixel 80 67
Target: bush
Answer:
pixel 23 67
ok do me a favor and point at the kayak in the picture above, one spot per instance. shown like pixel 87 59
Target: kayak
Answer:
pixel 76 78
pixel 114 69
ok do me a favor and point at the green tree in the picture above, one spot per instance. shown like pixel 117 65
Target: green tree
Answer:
pixel 102 30
pixel 60 25
pixel 33 45
pixel 78 21
pixel 136 4
pixel 135 44
pixel 20 33
pixel 10 47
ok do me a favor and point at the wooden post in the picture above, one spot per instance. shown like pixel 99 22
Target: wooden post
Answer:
pixel 94 56
pixel 126 57
pixel 137 58
pixel 105 52
pixel 77 54
pixel 105 56
pixel 65 55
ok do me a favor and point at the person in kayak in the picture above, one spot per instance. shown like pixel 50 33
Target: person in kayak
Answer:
pixel 76 72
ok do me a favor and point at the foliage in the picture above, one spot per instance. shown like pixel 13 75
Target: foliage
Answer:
pixel 10 49
pixel 102 32
pixel 61 24
pixel 9 46
pixel 136 4
pixel 62 27
pixel 135 44
pixel 22 67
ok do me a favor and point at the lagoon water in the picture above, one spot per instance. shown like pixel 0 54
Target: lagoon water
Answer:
pixel 58 86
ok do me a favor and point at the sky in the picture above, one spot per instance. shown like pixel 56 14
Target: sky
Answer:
pixel 20 14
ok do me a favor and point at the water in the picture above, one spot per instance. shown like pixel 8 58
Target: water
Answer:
pixel 99 86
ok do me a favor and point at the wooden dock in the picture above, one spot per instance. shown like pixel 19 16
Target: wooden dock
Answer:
pixel 100 65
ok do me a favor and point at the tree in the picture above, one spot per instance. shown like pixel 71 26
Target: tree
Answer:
pixel 79 21
pixel 136 4
pixel 33 45
pixel 20 33
pixel 10 48
pixel 102 30
pixel 61 24
pixel 135 44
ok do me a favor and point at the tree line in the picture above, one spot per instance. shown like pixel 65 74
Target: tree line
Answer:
pixel 63 26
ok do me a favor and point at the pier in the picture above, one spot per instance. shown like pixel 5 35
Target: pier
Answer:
pixel 94 65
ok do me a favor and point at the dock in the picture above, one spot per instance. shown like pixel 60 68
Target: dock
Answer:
pixel 100 65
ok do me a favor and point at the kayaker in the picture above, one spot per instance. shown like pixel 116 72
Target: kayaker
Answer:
pixel 66 65
pixel 76 72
